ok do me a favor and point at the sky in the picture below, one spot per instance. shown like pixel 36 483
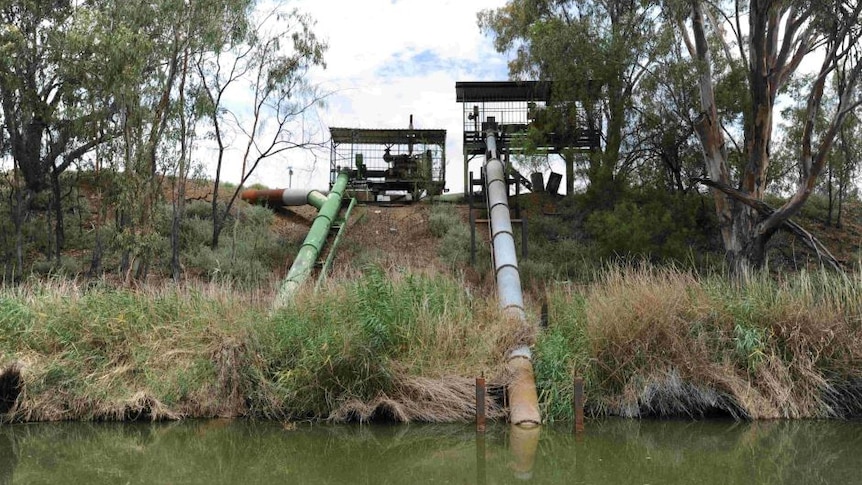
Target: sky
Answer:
pixel 388 59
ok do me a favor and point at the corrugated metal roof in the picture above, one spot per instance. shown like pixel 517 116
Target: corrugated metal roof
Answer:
pixel 386 136
pixel 503 91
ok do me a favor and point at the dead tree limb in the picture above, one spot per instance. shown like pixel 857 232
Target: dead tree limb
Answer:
pixel 766 210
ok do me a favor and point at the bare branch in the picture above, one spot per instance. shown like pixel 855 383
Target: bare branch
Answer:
pixel 767 212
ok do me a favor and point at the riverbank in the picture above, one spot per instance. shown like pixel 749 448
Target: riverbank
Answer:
pixel 406 346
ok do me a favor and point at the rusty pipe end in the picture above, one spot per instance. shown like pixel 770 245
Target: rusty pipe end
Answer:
pixel 269 196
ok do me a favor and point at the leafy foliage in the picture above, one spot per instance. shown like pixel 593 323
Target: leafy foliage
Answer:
pixel 654 225
pixel 444 222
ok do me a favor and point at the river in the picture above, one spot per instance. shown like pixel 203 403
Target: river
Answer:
pixel 609 452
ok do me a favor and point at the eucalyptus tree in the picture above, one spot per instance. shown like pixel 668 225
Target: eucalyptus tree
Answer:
pixel 769 40
pixel 850 148
pixel 597 52
pixel 265 61
pixel 52 94
pixel 666 150
pixel 842 163
pixel 155 104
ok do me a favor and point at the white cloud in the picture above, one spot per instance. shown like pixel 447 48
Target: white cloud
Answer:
pixel 388 59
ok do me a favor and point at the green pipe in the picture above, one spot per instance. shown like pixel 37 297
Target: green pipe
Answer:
pixel 314 241
pixel 317 199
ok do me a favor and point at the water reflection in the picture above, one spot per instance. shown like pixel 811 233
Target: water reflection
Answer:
pixel 8 460
pixel 610 452
pixel 481 460
pixel 523 444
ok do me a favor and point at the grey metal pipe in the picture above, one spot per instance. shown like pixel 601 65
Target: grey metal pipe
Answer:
pixel 282 197
pixel 523 399
pixel 502 237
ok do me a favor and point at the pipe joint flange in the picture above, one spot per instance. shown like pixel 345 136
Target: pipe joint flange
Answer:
pixel 522 352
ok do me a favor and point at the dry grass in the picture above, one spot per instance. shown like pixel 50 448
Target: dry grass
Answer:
pixel 659 342
pixel 439 400
pixel 382 343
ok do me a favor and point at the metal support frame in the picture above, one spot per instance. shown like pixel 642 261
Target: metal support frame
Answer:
pixel 341 226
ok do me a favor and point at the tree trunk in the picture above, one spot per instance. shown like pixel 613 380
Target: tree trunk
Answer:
pixel 745 250
pixel 182 176
pixel 744 241
pixel 569 158
pixel 217 216
pixel 96 261
pixel 22 209
pixel 126 255
pixel 846 172
pixel 218 224
pixel 830 195
pixel 176 269
pixel 59 229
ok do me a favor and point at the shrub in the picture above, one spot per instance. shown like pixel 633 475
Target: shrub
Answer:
pixel 445 222
pixel 201 209
pixel 442 218
pixel 652 224
pixel 455 247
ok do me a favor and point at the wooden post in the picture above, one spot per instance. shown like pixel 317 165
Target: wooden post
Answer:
pixel 480 404
pixel 578 404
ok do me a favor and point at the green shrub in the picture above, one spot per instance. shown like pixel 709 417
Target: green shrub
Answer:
pixel 445 222
pixel 67 266
pixel 652 225
pixel 442 218
pixel 454 249
pixel 201 209
pixel 195 232
pixel 561 260
pixel 817 207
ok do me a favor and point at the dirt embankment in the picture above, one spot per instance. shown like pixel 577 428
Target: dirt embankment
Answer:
pixel 387 235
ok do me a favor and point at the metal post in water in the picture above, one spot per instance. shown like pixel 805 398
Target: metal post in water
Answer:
pixel 578 403
pixel 480 404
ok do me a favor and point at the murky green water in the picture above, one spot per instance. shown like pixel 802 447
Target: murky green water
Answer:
pixel 611 452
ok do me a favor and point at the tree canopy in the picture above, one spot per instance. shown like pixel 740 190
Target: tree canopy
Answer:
pixel 673 72
pixel 127 87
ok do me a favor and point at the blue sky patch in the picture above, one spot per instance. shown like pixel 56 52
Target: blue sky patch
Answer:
pixel 410 63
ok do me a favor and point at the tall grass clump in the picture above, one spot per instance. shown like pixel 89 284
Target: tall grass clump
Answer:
pixel 561 352
pixel 100 353
pixel 558 261
pixel 667 342
pixel 389 342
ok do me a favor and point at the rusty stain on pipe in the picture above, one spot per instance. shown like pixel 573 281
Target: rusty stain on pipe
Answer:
pixel 523 400
pixel 253 196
